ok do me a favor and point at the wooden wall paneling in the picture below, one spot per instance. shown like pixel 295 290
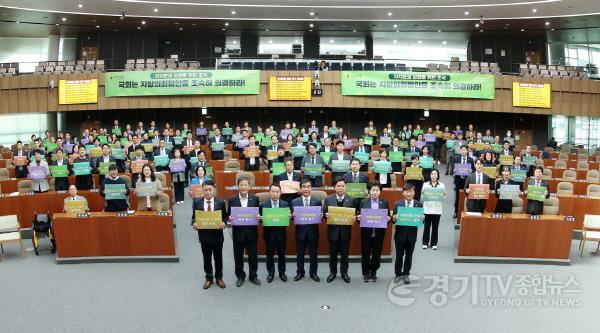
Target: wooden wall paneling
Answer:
pixel 176 101
pixel 565 104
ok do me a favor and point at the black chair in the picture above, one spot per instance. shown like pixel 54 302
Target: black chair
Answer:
pixel 247 65
pixel 378 66
pixel 368 66
pixel 269 65
pixel 346 66
pixel 390 67
pixel 357 66
pixel 313 66
pixel 259 65
pixel 401 67
pixel 292 66
pixel 236 65
pixel 335 66
pixel 302 66
pixel 280 66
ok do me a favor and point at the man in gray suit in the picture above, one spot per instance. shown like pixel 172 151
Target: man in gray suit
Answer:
pixel 339 155
pixel 535 207
pixel 74 197
pixel 477 177
pixel 355 176
pixel 313 158
pixel 338 235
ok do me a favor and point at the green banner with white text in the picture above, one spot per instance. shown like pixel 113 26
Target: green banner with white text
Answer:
pixel 182 82
pixel 425 84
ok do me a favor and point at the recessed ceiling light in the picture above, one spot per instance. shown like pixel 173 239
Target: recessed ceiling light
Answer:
pixel 395 26
pixel 311 25
pixel 354 30
pixel 233 12
pixel 226 24
pixel 139 28
pixel 270 41
pixel 176 23
pixel 296 41
pixel 467 13
pixel 235 42
pixel 97 27
pixel 522 29
pixel 481 30
pixel 180 28
pixel 420 41
pixel 331 41
pixel 223 29
pixel 311 13
pixel 395 41
pixel 439 30
pixel 547 23
pixel 80 5
pixel 390 14
pixel 64 19
pixel 193 24
pixel 18 22
pixel 156 10
pixel 143 22
pixel 266 29
pixel 57 24
pixel 534 10
pixel 476 25
pixel 310 30
pixel 444 42
pixel 397 30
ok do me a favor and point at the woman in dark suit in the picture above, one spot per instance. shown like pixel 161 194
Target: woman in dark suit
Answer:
pixel 505 205
pixel 371 239
pixel 61 183
pixel 384 179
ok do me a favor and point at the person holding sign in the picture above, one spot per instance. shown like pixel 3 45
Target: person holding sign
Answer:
pixel 405 234
pixel 339 234
pixel 463 167
pixel 101 163
pixel 529 160
pixel 433 195
pixel 339 162
pixel 178 166
pixel 251 155
pixel 355 176
pixel 211 239
pixel 60 170
pixel 414 175
pixel 537 192
pixel 275 236
pixel 148 189
pixel 161 156
pixel 218 141
pixel 115 191
pixel 244 237
pixel 39 172
pixel 504 185
pixel 316 163
pixel 82 166
pixel 426 162
pixel 199 177
pixel 119 155
pixel 289 181
pixel 80 205
pixel 20 155
pixel 412 148
pixel 307 235
pixel 480 180
pixel 371 238
pixel 384 178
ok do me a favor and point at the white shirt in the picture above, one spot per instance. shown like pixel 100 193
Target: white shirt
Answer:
pixel 383 178
pixel 148 203
pixel 212 204
pixel 305 201
pixel 478 178
pixel 290 176
pixel 243 202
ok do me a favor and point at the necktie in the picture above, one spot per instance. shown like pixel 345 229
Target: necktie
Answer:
pixel 409 204
pixel 275 204
pixel 313 160
pixel 478 179
pixel 208 206
pixel 306 204
pixel 464 160
pixel 355 178
pixel 537 183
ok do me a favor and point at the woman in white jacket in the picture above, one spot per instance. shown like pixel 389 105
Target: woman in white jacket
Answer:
pixel 432 208
pixel 40 185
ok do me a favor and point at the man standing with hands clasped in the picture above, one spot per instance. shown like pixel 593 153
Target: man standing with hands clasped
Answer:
pixel 211 240
pixel 275 237
pixel 405 237
pixel 307 236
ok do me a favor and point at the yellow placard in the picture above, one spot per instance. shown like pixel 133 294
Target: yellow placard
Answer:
pixel 490 171
pixel 208 220
pixel 271 154
pixel 506 160
pixel 290 88
pixel 532 95
pixel 414 173
pixel 340 215
pixel 78 91
pixel 75 206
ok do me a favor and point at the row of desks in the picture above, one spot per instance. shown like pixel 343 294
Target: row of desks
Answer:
pixel 25 206
pixel 571 164
pixel 570 205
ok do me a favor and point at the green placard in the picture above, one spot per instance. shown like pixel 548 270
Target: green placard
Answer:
pixel 118 153
pixel 276 217
pixel 296 132
pixel 403 144
pixel 124 141
pixel 59 171
pixel 116 131
pixel 81 168
pixel 103 167
pixel 161 160
pixel 278 168
pixel 433 194
pixel 450 144
pixel 193 160
pixel 217 146
pixel 313 170
pixel 489 139
pixel 368 140
pixel 266 141
pixel 51 147
pixel 298 151
pixel 505 160
pixel 211 134
pixel 305 138
pixel 177 140
pixel 103 139
pixel 382 167
pixel 417 132
pixel 356 190
pixel 209 171
pixel 409 216
pixel 450 85
pixel 325 155
pixel 333 130
pixel 479 146
pixel 259 136
pixel 531 160
pixel 362 156
pixel 518 175
pixel 492 172
pixel 227 131
pixel 184 132
pixel 396 156
pixel 114 191
pixel 340 166
pixel 426 162
pixel 496 148
pixel 182 82
pixel 537 193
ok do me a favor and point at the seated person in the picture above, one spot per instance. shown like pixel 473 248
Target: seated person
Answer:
pixel 74 197
pixel 149 202
pixel 115 205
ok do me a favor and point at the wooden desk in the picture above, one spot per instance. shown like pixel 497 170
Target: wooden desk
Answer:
pixel 514 237
pixel 106 237
pixel 569 205
pixel 26 206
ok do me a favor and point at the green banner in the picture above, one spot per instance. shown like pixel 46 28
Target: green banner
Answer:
pixel 433 194
pixel 278 168
pixel 118 153
pixel 356 190
pixel 115 191
pixel 518 175
pixel 426 162
pixel 184 82
pixel 382 167
pixel 326 155
pixel 276 217
pixel 449 85
pixel 362 156
pixel 59 171
pixel 217 146
pixel 298 151
pixel 103 167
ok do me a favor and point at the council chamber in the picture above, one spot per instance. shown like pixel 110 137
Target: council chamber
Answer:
pixel 176 165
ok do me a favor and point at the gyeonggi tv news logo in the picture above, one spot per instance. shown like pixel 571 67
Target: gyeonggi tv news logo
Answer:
pixel 489 290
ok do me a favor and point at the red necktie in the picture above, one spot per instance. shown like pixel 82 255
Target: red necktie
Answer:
pixel 209 207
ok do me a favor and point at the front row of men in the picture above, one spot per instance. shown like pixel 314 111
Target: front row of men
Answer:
pixel 307 236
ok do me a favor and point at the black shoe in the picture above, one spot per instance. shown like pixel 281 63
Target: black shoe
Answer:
pixel 373 277
pixel 283 277
pixel 239 282
pixel 397 279
pixel 346 278
pixel 315 278
pixel 446 173
pixel 366 278
pixel 406 279
pixel 255 281
pixel 269 278
pixel 299 277
pixel 331 277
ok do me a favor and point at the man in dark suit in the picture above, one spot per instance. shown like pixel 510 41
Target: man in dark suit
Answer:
pixel 275 237
pixel 306 235
pixel 528 153
pixel 251 163
pixel 211 240
pixel 412 148
pixel 371 239
pixel 338 155
pixel 355 176
pixel 244 237
pixel 116 129
pixel 20 171
pixel 167 136
pixel 313 158
pixel 106 158
pixel 535 207
pixel 134 145
pixel 362 147
pixel 217 155
pixel 338 235
pixel 162 150
pixel 459 181
pixel 291 175
pixel 477 177
pixel 405 237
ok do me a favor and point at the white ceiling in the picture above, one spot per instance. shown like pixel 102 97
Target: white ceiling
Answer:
pixel 324 10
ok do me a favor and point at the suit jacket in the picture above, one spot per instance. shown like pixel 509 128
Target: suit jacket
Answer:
pixel 167 151
pixel 283 176
pixel 472 179
pixel 241 233
pixel 362 178
pixel 217 155
pixel 367 149
pixel 210 236
pixel 408 152
pixel 537 207
pixel 308 231
pixel 341 232
pixel 272 233
pixel 405 233
pixel 334 157
pixel 97 161
pixel 459 181
pixel 379 232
